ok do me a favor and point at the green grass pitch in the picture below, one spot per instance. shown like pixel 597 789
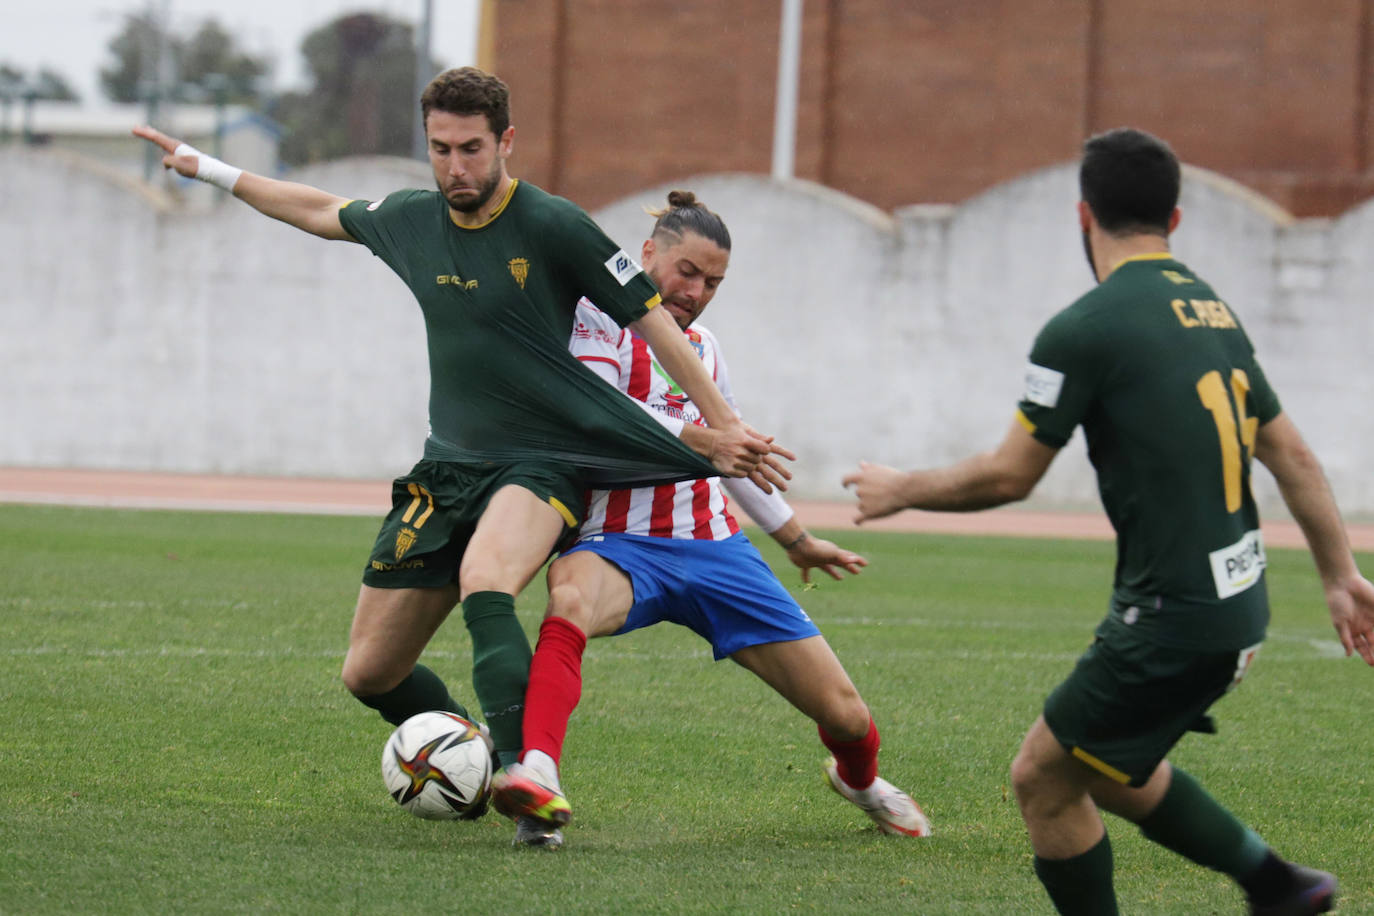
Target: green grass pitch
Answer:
pixel 174 738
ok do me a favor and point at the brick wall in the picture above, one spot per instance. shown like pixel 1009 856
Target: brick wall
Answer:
pixel 926 101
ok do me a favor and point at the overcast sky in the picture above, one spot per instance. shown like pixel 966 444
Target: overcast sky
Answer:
pixel 72 37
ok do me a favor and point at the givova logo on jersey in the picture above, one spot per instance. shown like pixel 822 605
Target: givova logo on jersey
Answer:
pixel 455 280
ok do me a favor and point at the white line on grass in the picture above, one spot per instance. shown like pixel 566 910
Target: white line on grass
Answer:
pixel 1316 648
pixel 951 621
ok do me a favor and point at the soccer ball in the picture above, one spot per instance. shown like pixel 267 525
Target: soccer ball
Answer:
pixel 437 765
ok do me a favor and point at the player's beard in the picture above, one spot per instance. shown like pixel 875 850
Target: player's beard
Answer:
pixel 658 283
pixel 1088 251
pixel 484 189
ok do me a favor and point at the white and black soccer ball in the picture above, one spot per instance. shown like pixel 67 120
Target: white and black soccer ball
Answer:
pixel 437 765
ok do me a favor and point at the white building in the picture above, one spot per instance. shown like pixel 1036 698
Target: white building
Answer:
pixel 235 133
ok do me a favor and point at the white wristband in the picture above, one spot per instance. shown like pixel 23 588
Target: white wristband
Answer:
pixel 209 169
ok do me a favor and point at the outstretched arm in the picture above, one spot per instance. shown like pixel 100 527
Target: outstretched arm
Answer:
pixel 1349 596
pixel 1005 475
pixel 299 205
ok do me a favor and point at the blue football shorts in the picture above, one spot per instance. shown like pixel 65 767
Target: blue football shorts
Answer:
pixel 721 590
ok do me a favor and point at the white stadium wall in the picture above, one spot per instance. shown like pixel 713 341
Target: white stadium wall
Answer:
pixel 140 335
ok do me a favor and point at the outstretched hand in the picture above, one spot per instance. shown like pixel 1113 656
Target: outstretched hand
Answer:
pixel 879 489
pixel 770 471
pixel 817 553
pixel 186 166
pixel 740 450
pixel 1351 602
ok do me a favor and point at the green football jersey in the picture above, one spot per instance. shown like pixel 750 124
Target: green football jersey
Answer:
pixel 1164 381
pixel 498 303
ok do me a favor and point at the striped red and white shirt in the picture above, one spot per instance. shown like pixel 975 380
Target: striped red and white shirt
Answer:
pixel 693 509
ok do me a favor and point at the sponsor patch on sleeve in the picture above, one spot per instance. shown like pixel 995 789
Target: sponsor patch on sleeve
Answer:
pixel 622 267
pixel 375 204
pixel 1042 385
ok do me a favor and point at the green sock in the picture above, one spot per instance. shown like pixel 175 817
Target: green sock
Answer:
pixel 1192 824
pixel 421 691
pixel 500 667
pixel 1081 884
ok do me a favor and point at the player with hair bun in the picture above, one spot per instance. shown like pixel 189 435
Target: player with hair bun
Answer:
pixel 675 553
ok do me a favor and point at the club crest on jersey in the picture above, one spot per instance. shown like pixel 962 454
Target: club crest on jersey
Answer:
pixel 519 269
pixel 694 339
pixel 405 539
pixel 622 267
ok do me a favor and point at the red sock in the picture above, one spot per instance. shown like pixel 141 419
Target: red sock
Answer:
pixel 555 686
pixel 855 761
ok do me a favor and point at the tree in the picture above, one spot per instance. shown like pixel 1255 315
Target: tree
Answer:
pixel 136 51
pixel 46 84
pixel 362 100
pixel 11 79
pixel 202 65
pixel 54 87
pixel 209 57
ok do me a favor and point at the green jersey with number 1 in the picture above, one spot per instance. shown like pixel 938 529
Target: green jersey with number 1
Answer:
pixel 498 302
pixel 1164 381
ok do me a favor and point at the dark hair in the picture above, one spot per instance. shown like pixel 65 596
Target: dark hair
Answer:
pixel 468 91
pixel 1130 181
pixel 685 213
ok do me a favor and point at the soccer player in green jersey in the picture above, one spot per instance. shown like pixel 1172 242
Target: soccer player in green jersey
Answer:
pixel 518 429
pixel 1158 371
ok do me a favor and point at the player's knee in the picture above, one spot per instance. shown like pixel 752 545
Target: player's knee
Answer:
pixel 487 570
pixel 1027 779
pixel 364 680
pixel 847 716
pixel 482 577
pixel 568 601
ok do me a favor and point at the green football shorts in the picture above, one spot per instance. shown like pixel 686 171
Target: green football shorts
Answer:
pixel 435 508
pixel 1129 701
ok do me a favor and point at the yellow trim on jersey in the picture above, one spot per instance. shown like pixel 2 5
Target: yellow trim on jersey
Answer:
pixel 1025 421
pixel 510 192
pixel 1102 767
pixel 1148 256
pixel 563 511
pixel 652 301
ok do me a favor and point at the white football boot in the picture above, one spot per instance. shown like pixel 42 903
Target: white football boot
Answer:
pixel 892 809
